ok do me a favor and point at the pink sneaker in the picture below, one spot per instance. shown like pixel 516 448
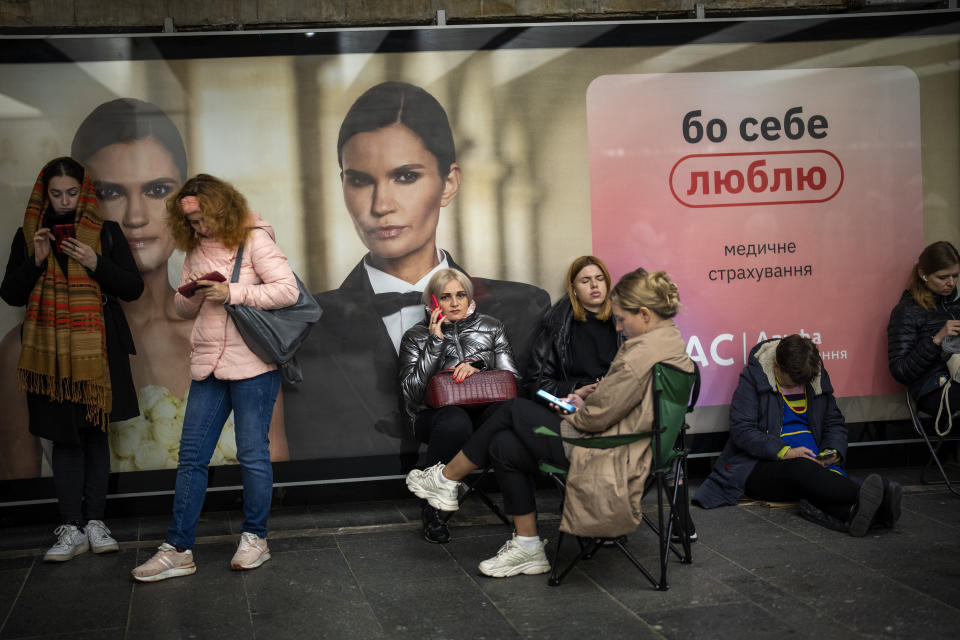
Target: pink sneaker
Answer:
pixel 252 552
pixel 167 562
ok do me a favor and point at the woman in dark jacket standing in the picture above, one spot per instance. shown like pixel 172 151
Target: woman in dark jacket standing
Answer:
pixel 787 442
pixel 928 313
pixel 453 336
pixel 578 339
pixel 85 334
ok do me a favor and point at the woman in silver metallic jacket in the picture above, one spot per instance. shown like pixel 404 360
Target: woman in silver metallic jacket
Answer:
pixel 456 337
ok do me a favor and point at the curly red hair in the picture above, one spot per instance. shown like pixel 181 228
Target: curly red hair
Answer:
pixel 224 210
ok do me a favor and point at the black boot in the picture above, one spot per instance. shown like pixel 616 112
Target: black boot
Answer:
pixel 434 528
pixel 868 501
pixel 889 511
pixel 814 515
pixel 687 524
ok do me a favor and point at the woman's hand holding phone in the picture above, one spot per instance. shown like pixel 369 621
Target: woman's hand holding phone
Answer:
pixel 828 457
pixel 80 252
pixel 436 318
pixel 571 401
pixel 212 286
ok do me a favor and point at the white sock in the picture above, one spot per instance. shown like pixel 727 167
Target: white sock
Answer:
pixel 443 478
pixel 529 543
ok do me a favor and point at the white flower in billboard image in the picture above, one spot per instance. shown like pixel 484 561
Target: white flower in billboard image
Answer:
pixel 152 439
pixel 228 442
pixel 125 436
pixel 150 455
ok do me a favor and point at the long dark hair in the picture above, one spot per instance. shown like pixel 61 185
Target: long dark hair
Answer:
pixel 62 166
pixel 399 102
pixel 937 256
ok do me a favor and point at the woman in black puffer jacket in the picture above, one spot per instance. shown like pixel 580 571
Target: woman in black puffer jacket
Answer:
pixel 928 312
pixel 578 339
pixel 453 336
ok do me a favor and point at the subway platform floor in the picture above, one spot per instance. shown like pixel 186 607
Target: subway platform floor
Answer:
pixel 363 571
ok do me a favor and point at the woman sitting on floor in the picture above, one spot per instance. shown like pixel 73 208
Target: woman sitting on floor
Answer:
pixel 787 440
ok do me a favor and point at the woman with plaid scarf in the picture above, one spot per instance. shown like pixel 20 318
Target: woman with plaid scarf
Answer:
pixel 68 267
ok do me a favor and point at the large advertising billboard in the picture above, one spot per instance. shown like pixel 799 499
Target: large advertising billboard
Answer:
pixel 785 172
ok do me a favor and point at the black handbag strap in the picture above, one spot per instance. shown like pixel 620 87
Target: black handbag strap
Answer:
pixel 236 264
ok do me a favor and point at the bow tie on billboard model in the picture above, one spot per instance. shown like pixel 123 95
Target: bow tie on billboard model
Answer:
pixel 389 303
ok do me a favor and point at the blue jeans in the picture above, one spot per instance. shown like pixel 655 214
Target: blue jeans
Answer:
pixel 208 405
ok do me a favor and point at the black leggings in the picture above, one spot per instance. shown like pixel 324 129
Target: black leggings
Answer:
pixel 798 478
pixel 507 440
pixel 81 473
pixel 444 430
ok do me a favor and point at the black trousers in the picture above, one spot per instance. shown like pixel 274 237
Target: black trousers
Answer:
pixel 81 473
pixel 446 429
pixel 798 478
pixel 506 439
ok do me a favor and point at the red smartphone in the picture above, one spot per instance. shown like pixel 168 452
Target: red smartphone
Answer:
pixel 436 305
pixel 61 232
pixel 190 288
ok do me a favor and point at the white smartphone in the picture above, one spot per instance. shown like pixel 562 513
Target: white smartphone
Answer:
pixel 549 397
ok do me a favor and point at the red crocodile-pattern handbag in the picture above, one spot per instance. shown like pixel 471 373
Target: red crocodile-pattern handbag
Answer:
pixel 483 387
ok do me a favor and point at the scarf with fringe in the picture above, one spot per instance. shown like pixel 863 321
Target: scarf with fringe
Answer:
pixel 63 352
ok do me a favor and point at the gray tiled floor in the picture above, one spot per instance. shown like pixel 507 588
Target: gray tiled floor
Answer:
pixel 362 571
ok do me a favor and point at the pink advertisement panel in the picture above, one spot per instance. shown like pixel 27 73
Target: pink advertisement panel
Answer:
pixel 785 201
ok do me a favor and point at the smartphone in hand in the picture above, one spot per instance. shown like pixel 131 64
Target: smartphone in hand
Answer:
pixel 826 453
pixel 435 305
pixel 549 397
pixel 189 288
pixel 61 232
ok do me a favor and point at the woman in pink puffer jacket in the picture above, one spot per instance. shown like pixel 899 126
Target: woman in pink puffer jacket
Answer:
pixel 210 221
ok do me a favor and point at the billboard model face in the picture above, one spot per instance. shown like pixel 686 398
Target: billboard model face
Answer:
pixel 786 173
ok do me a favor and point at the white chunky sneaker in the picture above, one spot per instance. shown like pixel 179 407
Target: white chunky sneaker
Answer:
pixel 167 562
pixel 513 559
pixel 427 485
pixel 251 553
pixel 99 536
pixel 71 543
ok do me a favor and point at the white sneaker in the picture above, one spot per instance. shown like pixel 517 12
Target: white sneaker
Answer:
pixel 513 559
pixel 439 494
pixel 71 542
pixel 99 537
pixel 251 553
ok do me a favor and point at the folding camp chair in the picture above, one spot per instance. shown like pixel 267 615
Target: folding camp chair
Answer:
pixel 918 425
pixel 675 395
